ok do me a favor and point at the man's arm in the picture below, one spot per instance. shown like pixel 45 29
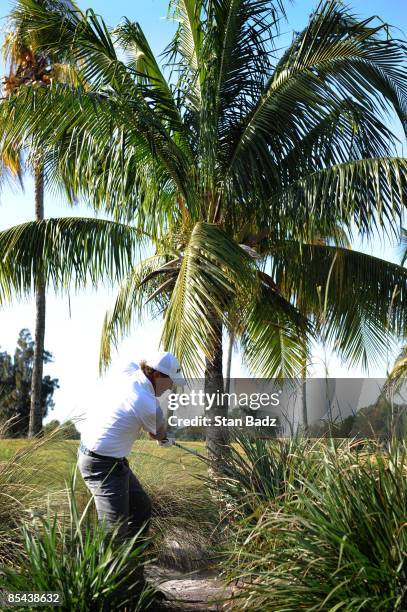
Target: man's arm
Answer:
pixel 161 432
pixel 159 427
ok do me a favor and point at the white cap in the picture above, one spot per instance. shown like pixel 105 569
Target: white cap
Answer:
pixel 168 364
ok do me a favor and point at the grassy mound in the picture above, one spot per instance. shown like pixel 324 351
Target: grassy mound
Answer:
pixel 326 532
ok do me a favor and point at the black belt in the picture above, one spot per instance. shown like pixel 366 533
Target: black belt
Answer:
pixel 86 451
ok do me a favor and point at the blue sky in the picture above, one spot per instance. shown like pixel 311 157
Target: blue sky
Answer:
pixel 73 329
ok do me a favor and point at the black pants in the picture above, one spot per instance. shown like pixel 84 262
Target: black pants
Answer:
pixel 119 497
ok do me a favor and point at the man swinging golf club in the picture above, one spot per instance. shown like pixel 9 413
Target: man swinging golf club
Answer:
pixel 112 424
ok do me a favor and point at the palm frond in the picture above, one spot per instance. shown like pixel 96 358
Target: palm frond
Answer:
pixel 398 374
pixel 150 79
pixel 335 59
pixel 64 252
pixel 273 335
pixel 184 53
pixel 244 41
pixel 139 294
pixel 88 143
pixel 84 41
pixel 364 192
pixel 74 37
pixel 214 272
pixel 358 301
pixel 347 131
pixel 237 55
pixel 11 166
pixel 338 47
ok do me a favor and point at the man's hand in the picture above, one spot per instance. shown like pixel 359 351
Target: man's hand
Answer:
pixel 161 433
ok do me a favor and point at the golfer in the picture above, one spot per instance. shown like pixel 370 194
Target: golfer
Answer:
pixel 112 424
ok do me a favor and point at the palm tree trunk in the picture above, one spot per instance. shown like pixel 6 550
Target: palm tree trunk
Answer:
pixel 229 361
pixel 36 408
pixel 304 386
pixel 304 401
pixel 216 437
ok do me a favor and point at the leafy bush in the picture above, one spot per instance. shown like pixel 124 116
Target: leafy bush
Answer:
pixel 256 470
pixel 339 544
pixel 75 556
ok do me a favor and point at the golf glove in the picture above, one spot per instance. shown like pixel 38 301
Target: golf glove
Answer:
pixel 166 442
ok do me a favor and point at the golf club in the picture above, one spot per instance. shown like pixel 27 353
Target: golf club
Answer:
pixel 171 442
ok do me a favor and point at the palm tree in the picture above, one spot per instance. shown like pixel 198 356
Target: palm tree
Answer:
pixel 228 161
pixel 29 67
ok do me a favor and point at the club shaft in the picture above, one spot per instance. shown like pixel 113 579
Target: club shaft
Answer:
pixel 189 450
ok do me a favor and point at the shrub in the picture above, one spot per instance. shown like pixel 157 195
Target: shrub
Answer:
pixel 75 557
pixel 341 544
pixel 256 470
pixel 66 430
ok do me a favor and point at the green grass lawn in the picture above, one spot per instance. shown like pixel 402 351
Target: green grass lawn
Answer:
pixel 36 491
pixel 148 460
pixel 35 474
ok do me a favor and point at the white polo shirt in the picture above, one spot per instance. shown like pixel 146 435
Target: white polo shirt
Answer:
pixel 119 412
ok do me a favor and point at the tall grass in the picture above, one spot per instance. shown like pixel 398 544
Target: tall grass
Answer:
pixel 76 557
pixel 34 505
pixel 185 517
pixel 30 480
pixel 257 471
pixel 338 543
